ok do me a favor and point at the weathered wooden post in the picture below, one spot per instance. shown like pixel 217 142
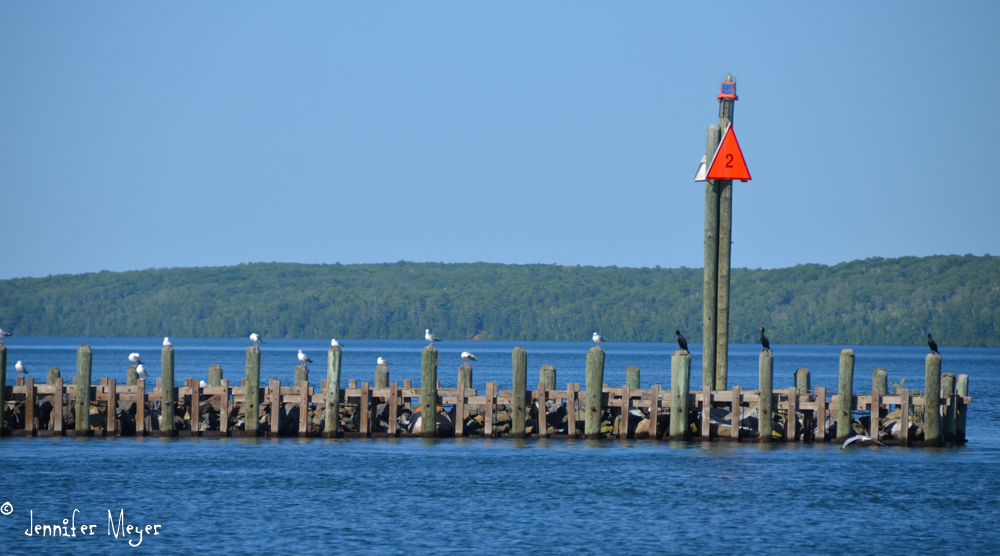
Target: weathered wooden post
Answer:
pixel 547 376
pixel 632 377
pixel 519 394
pixel 53 375
pixel 765 406
pixel 381 376
pixel 167 395
pixel 962 387
pixel 710 289
pixel 301 374
pixel 845 395
pixel 802 381
pixel 680 387
pixel 84 362
pixel 948 392
pixel 465 375
pixel 251 403
pixel 131 375
pixel 215 376
pixel 932 400
pixel 880 381
pixel 725 188
pixel 3 386
pixel 428 392
pixel 331 417
pixel 595 389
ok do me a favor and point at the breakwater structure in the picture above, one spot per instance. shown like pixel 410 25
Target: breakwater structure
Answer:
pixel 803 413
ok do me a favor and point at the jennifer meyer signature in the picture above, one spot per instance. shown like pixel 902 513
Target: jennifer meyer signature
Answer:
pixel 68 528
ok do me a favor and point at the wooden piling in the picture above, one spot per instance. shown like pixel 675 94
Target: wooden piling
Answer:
pixel 167 393
pixel 572 394
pixel 932 400
pixel 57 407
pixel 84 362
pixel 465 375
pixel 381 376
pixel 948 393
pixel 365 410
pixel 519 394
pixel 224 407
pixel 765 407
pixel 331 416
pixel 547 376
pixel 131 375
pixel 845 395
pixel 710 289
pixel 734 414
pixel 3 388
pixel 880 381
pixel 904 416
pixel 274 395
pixel 491 396
pixel 680 387
pixel 595 388
pixel 251 403
pixel 30 403
pixel 215 376
pixel 632 377
pixel 725 188
pixel 428 392
pixel 195 422
pixel 52 376
pixel 802 381
pixel 792 422
pixel 111 413
pixel 393 407
pixel 820 414
pixel 301 374
pixel 962 388
pixel 542 425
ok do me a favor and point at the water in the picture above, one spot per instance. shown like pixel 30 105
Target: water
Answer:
pixel 484 496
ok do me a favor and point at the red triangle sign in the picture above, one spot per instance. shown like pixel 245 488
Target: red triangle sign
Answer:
pixel 728 163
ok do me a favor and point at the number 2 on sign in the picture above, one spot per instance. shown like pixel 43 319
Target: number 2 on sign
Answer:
pixel 729 161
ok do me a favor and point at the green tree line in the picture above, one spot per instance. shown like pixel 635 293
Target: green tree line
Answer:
pixel 871 302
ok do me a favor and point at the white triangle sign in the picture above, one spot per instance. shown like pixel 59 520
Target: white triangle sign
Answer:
pixel 702 172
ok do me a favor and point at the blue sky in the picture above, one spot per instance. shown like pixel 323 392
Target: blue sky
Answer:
pixel 137 135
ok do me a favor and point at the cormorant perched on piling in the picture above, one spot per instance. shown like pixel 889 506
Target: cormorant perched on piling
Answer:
pixel 932 344
pixel 763 339
pixel 681 341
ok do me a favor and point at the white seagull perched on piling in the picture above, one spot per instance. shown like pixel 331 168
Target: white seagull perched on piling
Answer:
pixel 466 356
pixel 3 335
pixel 166 342
pixel 598 339
pixel 20 368
pixel 304 358
pixel 430 337
pixel 383 362
pixel 141 371
pixel 133 358
pixel 256 339
pixel 335 343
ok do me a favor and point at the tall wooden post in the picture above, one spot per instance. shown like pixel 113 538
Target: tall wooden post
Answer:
pixel 710 291
pixel 802 383
pixel 331 417
pixel 167 401
pixel 381 376
pixel 845 395
pixel 547 376
pixel 632 377
pixel 84 362
pixel 595 390
pixel 518 402
pixel 301 374
pixel 948 392
pixel 765 414
pixel 932 400
pixel 131 375
pixel 251 403
pixel 725 188
pixel 3 386
pixel 680 387
pixel 215 376
pixel 428 392
pixel 465 375
pixel 962 387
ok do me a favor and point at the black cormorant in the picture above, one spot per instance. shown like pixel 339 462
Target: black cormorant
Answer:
pixel 932 344
pixel 681 341
pixel 763 339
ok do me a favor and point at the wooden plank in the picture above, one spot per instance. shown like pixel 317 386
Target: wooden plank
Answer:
pixel 821 411
pixel 792 423
pixel 706 414
pixel 365 409
pixel 274 392
pixel 460 410
pixel 876 410
pixel 542 424
pixel 571 409
pixel 393 407
pixel 491 389
pixel 57 407
pixel 626 404
pixel 140 407
pixel 195 407
pixel 304 408
pixel 29 407
pixel 109 429
pixel 904 417
pixel 734 415
pixel 224 408
pixel 654 410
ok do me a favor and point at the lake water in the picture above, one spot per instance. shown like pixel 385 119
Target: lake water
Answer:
pixel 482 496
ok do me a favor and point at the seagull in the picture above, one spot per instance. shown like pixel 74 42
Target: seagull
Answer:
pixel 133 358
pixel 860 438
pixel 430 337
pixel 466 356
pixel 166 342
pixel 304 358
pixel 256 339
pixel 383 362
pixel 20 368
pixel 141 371
pixel 598 339
pixel 335 343
pixel 681 341
pixel 3 335
pixel 203 384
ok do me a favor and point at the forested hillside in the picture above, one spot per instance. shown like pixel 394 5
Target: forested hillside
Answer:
pixel 874 301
